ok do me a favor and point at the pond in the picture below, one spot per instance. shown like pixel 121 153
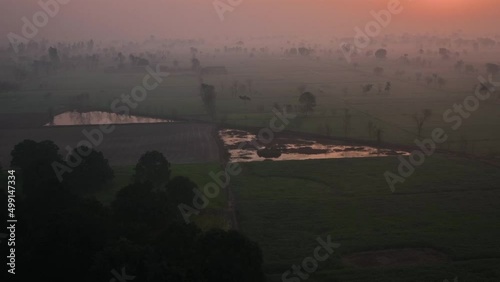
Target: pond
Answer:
pixel 95 118
pixel 289 148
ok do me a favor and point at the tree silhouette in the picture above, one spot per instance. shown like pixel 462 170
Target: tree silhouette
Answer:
pixel 308 102
pixel 195 64
pixel 91 174
pixel 140 234
pixel 58 225
pixel 388 86
pixel 227 256
pixel 420 118
pixel 121 60
pixel 152 167
pixel 304 51
pixel 208 97
pixel 54 57
pixel 366 88
pixel 35 159
pixel 180 190
pixel 381 54
pixel 139 208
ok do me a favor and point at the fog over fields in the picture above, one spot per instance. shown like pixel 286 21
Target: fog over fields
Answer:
pixel 250 140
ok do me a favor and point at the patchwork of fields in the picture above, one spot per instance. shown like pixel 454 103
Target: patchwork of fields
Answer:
pixel 449 206
pixel 336 85
pixel 179 142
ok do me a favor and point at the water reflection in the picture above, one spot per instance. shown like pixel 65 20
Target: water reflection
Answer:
pixel 288 148
pixel 93 118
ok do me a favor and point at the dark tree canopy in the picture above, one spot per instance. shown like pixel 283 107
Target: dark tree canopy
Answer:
pixel 180 190
pixel 445 53
pixel 35 160
pixel 304 51
pixel 308 102
pixel 91 174
pixel 420 118
pixel 227 256
pixel 381 54
pixel 68 229
pixel 208 97
pixel 153 167
pixel 195 64
pixel 141 235
pixel 54 56
pixel 28 151
pixel 139 208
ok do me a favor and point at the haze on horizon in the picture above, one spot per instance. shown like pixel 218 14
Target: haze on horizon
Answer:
pixel 134 20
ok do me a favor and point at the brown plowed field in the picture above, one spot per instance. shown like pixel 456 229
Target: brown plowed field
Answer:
pixel 180 142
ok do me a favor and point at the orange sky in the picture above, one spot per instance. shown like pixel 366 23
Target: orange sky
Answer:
pixel 117 19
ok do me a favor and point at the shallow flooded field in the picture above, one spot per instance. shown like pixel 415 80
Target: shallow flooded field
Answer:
pixel 289 148
pixel 96 117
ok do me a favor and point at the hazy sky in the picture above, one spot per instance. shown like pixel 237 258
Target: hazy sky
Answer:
pixel 137 19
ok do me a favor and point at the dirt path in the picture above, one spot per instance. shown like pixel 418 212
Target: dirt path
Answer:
pixel 230 210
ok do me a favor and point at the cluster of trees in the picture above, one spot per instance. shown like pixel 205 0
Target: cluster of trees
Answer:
pixel 140 234
pixel 381 54
pixel 420 118
pixel 34 46
pixel 238 88
pixel 208 97
pixel 367 88
pixel 303 51
pixel 460 65
pixel 138 61
pixel 308 102
pixel 89 172
pixel 435 79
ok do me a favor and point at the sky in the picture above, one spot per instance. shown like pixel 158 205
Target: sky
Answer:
pixel 137 19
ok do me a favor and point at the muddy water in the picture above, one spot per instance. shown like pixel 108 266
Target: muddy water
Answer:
pixel 289 148
pixel 93 118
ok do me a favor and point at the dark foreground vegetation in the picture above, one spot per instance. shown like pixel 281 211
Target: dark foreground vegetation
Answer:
pixel 63 235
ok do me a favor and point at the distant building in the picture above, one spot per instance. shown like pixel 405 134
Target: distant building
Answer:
pixel 217 70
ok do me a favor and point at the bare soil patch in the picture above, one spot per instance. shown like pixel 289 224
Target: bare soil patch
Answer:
pixel 181 142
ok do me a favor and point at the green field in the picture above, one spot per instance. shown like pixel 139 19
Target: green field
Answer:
pixel 336 85
pixel 211 217
pixel 448 205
